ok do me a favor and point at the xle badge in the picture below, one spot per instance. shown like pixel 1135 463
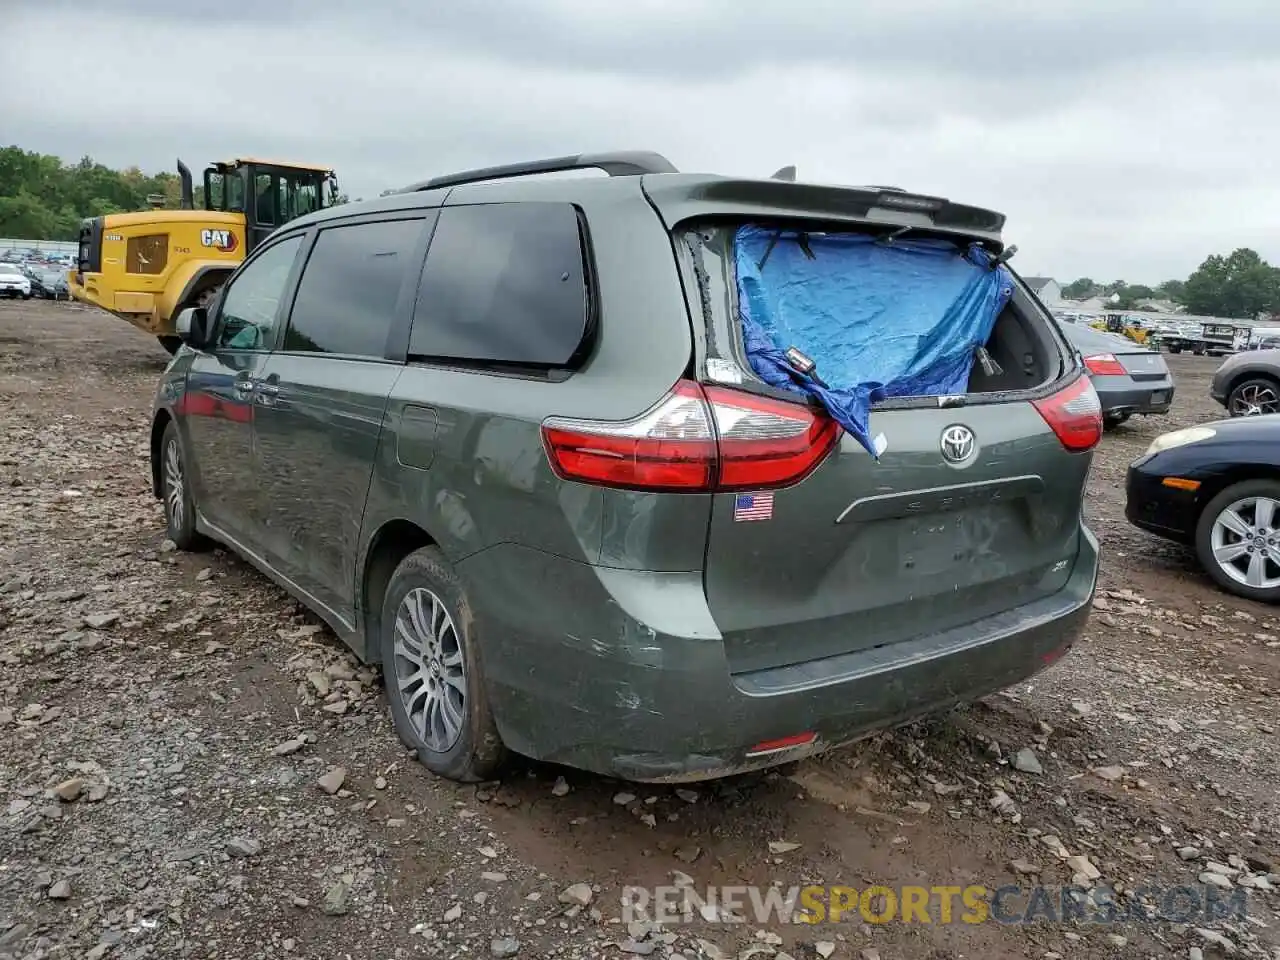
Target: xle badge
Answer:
pixel 223 240
pixel 753 506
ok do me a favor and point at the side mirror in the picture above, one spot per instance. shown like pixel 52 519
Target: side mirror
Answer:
pixel 193 327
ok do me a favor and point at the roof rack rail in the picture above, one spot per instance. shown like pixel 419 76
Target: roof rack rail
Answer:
pixel 623 163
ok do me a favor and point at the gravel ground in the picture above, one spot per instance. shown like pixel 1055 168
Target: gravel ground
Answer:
pixel 193 767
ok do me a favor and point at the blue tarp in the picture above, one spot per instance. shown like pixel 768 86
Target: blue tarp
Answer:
pixel 880 319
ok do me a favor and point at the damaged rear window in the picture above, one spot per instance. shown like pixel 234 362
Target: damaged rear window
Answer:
pixel 853 319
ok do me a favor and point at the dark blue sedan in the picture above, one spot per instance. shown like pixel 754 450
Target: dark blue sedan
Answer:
pixel 1215 488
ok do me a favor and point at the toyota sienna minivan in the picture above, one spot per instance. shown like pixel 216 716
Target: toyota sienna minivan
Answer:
pixel 508 436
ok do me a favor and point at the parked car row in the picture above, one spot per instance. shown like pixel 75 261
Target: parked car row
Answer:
pixel 13 282
pixel 45 274
pixel 1214 487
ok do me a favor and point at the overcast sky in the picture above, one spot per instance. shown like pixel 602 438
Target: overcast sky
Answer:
pixel 1123 139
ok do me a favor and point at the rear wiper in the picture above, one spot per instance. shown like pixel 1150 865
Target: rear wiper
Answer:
pixel 802 240
pixel 888 238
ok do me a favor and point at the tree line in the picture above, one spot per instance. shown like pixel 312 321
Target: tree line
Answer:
pixel 1240 285
pixel 42 198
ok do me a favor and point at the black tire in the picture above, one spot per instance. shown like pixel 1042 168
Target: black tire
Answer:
pixel 1237 402
pixel 1173 349
pixel 180 524
pixel 477 752
pixel 1204 537
pixel 1112 420
pixel 171 344
pixel 1198 351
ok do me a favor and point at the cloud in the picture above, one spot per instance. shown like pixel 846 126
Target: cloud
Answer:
pixel 1127 139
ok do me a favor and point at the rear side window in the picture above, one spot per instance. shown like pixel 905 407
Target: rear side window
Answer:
pixel 347 297
pixel 504 283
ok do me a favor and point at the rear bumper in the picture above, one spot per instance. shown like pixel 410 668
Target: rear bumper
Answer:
pixel 1146 398
pixel 632 680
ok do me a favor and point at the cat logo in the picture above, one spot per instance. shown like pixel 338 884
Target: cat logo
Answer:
pixel 223 240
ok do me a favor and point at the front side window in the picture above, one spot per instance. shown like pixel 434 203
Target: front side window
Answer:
pixel 347 296
pixel 504 283
pixel 252 300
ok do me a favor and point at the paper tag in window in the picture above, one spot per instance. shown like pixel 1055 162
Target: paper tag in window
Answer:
pixel 879 444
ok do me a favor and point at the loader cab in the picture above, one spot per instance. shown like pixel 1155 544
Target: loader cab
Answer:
pixel 269 194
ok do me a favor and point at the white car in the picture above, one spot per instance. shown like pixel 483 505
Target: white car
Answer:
pixel 13 283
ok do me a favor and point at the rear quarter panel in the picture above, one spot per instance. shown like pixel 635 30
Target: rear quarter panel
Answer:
pixel 461 454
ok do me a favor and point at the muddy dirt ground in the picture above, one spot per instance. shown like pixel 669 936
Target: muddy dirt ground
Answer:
pixel 172 726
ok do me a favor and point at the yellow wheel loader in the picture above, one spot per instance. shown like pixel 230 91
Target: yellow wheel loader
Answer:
pixel 145 267
pixel 1119 323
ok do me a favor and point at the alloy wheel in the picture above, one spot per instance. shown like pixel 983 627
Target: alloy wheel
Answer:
pixel 1255 399
pixel 431 677
pixel 173 483
pixel 1246 542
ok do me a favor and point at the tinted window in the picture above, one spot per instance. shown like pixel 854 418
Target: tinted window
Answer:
pixel 347 296
pixel 503 283
pixel 251 301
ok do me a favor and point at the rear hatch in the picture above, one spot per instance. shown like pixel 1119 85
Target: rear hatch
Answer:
pixel 974 507
pixel 862 554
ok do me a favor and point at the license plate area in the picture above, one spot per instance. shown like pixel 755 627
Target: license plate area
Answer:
pixel 942 542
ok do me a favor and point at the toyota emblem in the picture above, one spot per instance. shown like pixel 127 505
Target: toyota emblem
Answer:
pixel 957 443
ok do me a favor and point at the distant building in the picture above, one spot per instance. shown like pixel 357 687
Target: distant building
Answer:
pixel 1046 288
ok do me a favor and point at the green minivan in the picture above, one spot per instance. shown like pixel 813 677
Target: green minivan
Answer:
pixel 502 433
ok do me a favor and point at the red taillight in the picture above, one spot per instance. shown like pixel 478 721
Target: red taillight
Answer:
pixel 1075 414
pixel 1104 365
pixel 695 439
pixel 766 443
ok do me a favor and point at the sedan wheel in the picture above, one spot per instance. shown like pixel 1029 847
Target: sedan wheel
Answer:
pixel 1246 544
pixel 1238 539
pixel 1254 397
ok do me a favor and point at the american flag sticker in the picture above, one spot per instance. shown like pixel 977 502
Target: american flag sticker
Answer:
pixel 753 506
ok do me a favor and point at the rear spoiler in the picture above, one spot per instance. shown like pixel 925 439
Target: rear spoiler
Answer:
pixel 681 197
